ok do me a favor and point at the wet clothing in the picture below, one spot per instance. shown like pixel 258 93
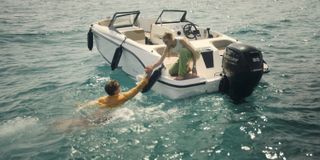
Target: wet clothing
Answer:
pixel 180 68
pixel 116 100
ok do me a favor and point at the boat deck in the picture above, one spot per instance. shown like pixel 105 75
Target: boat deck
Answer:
pixel 203 71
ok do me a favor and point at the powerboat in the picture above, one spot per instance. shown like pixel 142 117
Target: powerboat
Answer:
pixel 131 42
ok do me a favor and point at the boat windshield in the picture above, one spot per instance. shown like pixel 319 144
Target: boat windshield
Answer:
pixel 124 19
pixel 171 16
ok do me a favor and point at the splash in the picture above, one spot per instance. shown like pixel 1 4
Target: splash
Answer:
pixel 124 114
pixel 17 125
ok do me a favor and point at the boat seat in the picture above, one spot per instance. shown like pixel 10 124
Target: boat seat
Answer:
pixel 136 35
pixel 221 44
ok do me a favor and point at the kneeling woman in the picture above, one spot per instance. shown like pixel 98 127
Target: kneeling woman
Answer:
pixel 182 47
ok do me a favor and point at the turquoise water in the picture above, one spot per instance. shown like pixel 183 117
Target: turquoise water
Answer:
pixel 46 70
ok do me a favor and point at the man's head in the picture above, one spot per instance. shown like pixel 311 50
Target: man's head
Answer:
pixel 112 87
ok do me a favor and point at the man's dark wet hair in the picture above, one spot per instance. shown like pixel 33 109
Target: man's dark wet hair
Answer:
pixel 111 87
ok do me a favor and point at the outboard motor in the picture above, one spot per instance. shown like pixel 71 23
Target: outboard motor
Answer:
pixel 243 68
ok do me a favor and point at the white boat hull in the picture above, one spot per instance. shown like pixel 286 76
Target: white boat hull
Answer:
pixel 133 63
pixel 138 53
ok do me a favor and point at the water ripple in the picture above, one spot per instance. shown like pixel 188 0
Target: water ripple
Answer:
pixel 46 70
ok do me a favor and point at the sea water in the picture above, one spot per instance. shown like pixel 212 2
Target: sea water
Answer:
pixel 46 72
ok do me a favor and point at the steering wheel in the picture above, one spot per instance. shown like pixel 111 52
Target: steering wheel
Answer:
pixel 190 31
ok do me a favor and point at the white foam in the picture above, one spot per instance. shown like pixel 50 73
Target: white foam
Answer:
pixel 246 148
pixel 156 112
pixel 130 112
pixel 145 114
pixel 102 79
pixel 124 114
pixel 18 124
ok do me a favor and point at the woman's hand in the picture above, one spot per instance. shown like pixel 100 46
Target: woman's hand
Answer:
pixel 148 69
pixel 194 71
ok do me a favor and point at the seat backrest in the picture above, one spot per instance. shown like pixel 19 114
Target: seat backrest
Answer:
pixel 157 32
pixel 136 35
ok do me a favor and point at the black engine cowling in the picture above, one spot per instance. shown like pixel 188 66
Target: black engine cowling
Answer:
pixel 243 68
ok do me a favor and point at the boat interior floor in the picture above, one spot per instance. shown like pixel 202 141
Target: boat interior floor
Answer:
pixel 202 71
